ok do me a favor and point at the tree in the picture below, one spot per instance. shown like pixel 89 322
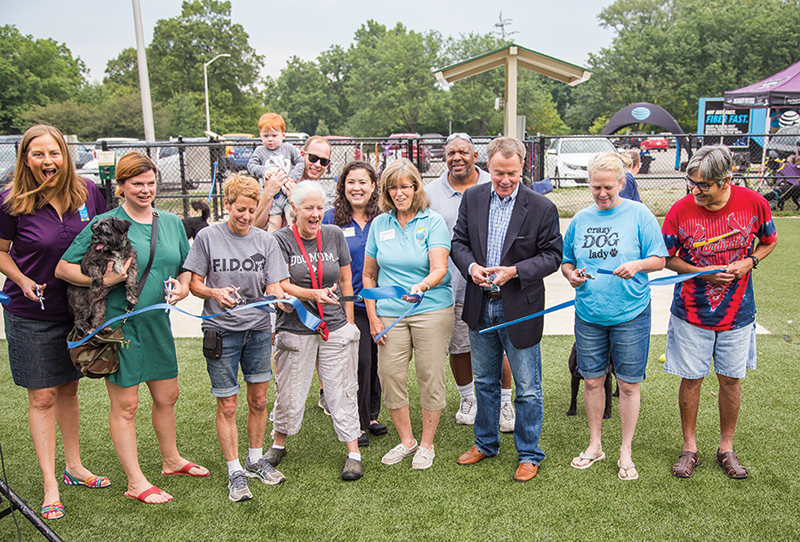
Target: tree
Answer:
pixel 673 52
pixel 34 72
pixel 304 90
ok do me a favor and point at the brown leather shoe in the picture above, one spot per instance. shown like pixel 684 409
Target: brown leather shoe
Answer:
pixel 471 457
pixel 525 472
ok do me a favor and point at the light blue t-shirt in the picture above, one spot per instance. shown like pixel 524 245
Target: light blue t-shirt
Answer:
pixel 607 239
pixel 402 256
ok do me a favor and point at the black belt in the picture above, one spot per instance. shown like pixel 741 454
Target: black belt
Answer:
pixel 492 295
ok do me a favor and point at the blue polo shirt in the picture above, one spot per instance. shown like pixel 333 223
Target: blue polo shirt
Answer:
pixel 356 241
pixel 402 256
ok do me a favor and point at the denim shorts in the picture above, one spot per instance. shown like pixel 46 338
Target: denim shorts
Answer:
pixel 253 349
pixel 628 344
pixel 690 350
pixel 37 352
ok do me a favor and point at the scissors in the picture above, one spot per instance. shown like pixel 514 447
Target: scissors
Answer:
pixel 39 296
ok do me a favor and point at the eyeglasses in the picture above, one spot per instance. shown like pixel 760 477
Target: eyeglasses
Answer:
pixel 403 187
pixel 459 135
pixel 704 187
pixel 313 158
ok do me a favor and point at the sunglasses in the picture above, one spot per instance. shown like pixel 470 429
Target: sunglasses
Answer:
pixel 459 135
pixel 313 158
pixel 704 187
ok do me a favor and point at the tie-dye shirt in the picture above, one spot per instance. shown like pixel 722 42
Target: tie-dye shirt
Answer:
pixel 703 238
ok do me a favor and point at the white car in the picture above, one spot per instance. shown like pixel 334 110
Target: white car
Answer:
pixel 568 157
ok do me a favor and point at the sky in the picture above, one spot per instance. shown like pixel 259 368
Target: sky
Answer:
pixel 98 30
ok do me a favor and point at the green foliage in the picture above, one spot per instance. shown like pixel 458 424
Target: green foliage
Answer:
pixel 34 72
pixel 672 52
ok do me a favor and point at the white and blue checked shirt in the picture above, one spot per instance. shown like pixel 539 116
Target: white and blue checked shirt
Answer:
pixel 499 218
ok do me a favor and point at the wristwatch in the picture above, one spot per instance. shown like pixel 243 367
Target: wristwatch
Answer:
pixel 428 286
pixel 755 261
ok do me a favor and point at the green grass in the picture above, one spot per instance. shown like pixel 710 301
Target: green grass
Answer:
pixel 451 502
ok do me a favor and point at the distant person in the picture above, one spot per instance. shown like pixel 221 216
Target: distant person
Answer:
pixel 446 194
pixel 41 212
pixel 633 163
pixel 275 159
pixel 720 226
pixel 252 265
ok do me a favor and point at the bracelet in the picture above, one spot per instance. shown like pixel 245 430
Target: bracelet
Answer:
pixel 755 261
pixel 427 285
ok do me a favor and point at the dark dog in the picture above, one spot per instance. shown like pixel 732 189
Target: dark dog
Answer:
pixel 110 243
pixel 576 382
pixel 194 224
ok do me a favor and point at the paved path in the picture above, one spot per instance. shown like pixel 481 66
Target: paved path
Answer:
pixel 557 289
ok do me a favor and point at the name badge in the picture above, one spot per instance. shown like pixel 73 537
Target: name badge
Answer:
pixel 83 213
pixel 349 232
pixel 387 235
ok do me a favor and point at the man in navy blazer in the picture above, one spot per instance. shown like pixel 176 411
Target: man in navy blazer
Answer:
pixel 505 241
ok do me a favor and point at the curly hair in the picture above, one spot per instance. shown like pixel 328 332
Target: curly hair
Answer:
pixel 237 185
pixel 342 210
pixel 27 195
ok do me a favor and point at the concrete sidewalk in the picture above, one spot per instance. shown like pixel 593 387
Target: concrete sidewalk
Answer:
pixel 557 289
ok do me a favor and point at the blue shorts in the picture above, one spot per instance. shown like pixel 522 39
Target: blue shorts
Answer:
pixel 253 349
pixel 690 350
pixel 37 352
pixel 628 343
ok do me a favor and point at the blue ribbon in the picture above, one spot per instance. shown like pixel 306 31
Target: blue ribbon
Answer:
pixel 213 183
pixel 387 292
pixel 663 281
pixel 308 320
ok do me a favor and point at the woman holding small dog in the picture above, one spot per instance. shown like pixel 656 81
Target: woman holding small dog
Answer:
pixel 150 357
pixel 45 208
pixel 612 316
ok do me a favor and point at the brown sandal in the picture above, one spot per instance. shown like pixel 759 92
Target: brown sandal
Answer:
pixel 684 466
pixel 730 464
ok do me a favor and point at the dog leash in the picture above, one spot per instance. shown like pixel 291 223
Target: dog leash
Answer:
pixel 387 292
pixel 309 320
pixel 663 281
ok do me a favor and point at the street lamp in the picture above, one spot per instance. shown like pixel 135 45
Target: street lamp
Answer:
pixel 205 81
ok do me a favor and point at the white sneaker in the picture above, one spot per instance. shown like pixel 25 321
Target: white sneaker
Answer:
pixel 507 417
pixel 398 453
pixel 423 458
pixel 467 411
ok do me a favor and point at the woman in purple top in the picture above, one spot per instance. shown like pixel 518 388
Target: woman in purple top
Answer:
pixel 45 208
pixel 355 206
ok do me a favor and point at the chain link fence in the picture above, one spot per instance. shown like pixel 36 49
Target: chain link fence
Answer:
pixel 194 169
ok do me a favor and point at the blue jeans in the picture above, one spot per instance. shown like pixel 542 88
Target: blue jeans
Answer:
pixel 252 349
pixel 487 368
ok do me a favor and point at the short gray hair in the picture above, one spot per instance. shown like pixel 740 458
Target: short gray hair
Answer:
pixel 508 147
pixel 712 163
pixel 303 190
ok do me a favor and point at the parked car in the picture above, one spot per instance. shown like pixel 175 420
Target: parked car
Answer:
pixel 568 157
pixel 435 145
pixel 239 154
pixel 659 143
pixel 400 147
pixel 8 157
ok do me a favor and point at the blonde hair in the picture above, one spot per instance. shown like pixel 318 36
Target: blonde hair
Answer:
pixel 396 172
pixel 27 195
pixel 607 161
pixel 238 185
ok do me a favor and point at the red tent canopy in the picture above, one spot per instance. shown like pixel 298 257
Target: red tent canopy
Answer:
pixel 776 91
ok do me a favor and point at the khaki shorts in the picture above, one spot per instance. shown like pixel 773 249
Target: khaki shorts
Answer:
pixel 425 336
pixel 459 342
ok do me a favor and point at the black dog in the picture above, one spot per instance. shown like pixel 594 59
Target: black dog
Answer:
pixel 194 224
pixel 110 243
pixel 576 382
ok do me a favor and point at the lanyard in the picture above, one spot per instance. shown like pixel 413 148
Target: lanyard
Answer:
pixel 316 281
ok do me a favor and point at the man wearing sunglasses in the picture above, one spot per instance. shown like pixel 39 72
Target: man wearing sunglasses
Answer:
pixel 724 227
pixel 446 193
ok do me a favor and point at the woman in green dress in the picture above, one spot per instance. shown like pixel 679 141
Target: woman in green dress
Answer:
pixel 150 357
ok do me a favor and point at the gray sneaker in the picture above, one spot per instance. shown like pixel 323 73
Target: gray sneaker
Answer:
pixel 507 417
pixel 467 409
pixel 274 455
pixel 352 470
pixel 237 487
pixel 262 470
